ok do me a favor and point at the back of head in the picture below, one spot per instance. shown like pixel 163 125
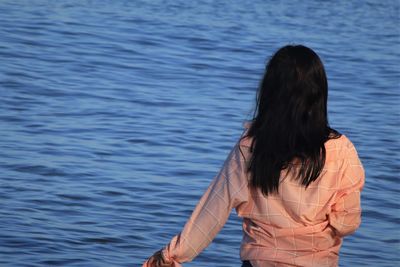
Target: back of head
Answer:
pixel 290 120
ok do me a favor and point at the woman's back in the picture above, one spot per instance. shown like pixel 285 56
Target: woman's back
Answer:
pixel 303 225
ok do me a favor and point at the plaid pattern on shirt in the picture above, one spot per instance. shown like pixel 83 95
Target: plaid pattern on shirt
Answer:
pixel 299 226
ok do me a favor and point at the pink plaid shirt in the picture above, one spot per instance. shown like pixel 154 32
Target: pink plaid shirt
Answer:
pixel 297 227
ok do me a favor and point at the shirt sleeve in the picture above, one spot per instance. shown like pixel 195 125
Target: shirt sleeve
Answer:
pixel 345 216
pixel 227 191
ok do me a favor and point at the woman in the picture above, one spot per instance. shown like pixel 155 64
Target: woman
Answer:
pixel 295 181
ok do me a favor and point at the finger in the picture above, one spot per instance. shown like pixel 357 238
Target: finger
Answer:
pixel 165 264
pixel 162 263
pixel 152 261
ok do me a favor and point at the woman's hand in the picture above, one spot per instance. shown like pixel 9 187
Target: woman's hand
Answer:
pixel 157 260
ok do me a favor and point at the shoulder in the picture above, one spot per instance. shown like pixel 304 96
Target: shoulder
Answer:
pixel 340 148
pixel 245 140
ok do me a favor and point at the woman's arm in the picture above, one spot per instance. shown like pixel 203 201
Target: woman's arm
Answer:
pixel 345 215
pixel 227 190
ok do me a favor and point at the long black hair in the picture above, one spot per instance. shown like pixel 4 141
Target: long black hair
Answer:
pixel 290 120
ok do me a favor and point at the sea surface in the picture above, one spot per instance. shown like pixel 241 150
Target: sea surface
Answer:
pixel 116 115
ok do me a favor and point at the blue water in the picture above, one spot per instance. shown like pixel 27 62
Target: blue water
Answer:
pixel 116 115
